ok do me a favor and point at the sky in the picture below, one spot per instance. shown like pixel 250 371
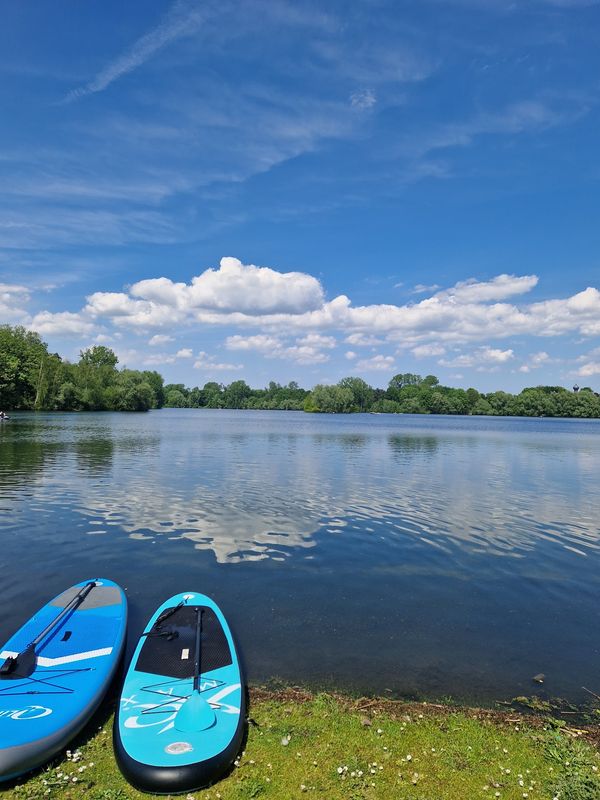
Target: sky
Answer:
pixel 270 190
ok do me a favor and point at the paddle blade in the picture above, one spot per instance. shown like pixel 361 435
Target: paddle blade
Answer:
pixel 195 715
pixel 20 666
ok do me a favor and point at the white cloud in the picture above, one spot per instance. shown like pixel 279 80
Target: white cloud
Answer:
pixel 482 357
pixel 420 288
pixel 209 363
pixel 589 369
pixel 535 361
pixel 103 338
pixel 292 319
pixel 168 358
pixel 62 323
pixel 499 288
pixel 377 363
pixel 160 339
pixel 11 297
pixel 235 288
pixel 305 350
pixel 362 340
pixel 260 342
pixel 317 340
pixel 428 350
pixel 350 355
pixel 8 291
pixel 363 99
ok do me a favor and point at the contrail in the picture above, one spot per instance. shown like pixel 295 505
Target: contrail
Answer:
pixel 182 20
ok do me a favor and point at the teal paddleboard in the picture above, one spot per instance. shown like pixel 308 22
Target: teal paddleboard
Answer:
pixel 180 721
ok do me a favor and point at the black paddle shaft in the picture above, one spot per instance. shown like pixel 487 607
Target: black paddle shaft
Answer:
pixel 26 658
pixel 199 612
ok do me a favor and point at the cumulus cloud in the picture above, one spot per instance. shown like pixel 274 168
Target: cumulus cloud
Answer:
pixel 420 288
pixel 535 361
pixel 260 342
pixel 305 350
pixel 589 369
pixel 428 350
pixel 237 288
pixel 362 340
pixel 209 363
pixel 482 358
pixel 286 315
pixel 499 288
pixel 155 359
pixel 590 363
pixel 12 297
pixel 160 339
pixel 62 323
pixel 236 294
pixel 379 363
pixel 317 340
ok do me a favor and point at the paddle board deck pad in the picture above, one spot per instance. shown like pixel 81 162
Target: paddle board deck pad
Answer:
pixel 45 704
pixel 160 745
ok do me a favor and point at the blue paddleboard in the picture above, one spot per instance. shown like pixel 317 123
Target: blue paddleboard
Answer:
pixel 180 721
pixel 50 690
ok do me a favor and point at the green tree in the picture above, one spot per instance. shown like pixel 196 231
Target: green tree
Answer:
pixel 22 357
pixel 399 382
pixel 156 382
pixel 213 394
pixel 98 357
pixel 236 394
pixel 362 393
pixel 331 399
pixel 175 399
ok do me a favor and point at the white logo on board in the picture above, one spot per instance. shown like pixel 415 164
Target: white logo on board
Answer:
pixel 29 712
pixel 149 715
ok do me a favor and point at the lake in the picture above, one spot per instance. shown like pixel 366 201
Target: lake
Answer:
pixel 388 554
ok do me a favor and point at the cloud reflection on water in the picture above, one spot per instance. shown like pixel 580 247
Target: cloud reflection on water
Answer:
pixel 251 487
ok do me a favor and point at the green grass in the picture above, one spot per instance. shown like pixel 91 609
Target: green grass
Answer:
pixel 326 747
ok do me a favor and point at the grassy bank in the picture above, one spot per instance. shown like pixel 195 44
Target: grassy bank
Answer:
pixel 329 747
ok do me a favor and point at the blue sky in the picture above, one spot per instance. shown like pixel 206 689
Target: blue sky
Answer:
pixel 303 191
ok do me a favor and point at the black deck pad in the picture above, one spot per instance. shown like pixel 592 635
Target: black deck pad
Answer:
pixel 163 655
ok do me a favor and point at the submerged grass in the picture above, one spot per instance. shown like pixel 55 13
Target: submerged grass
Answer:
pixel 330 747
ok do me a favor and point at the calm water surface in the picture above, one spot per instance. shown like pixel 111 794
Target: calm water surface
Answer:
pixel 409 555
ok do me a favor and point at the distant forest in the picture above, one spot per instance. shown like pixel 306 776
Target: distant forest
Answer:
pixel 32 378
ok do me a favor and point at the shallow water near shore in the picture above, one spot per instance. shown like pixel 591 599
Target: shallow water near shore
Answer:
pixel 383 554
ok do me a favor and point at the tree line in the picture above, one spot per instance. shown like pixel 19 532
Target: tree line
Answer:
pixel 406 393
pixel 33 378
